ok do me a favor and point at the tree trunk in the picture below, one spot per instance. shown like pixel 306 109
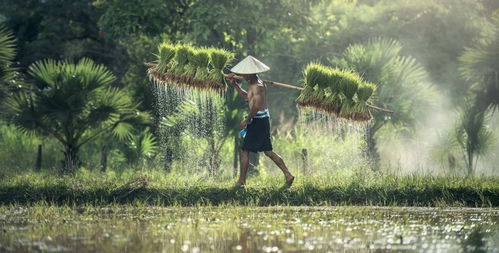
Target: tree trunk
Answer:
pixel 38 164
pixel 168 159
pixel 371 151
pixel 103 157
pixel 304 158
pixel 71 160
pixel 470 162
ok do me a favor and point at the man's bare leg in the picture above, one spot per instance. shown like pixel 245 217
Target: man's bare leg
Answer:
pixel 244 154
pixel 280 163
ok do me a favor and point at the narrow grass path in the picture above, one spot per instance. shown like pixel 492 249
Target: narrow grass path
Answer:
pixel 159 189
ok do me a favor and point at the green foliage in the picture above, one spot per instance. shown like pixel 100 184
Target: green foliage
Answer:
pixel 7 54
pixel 402 82
pixel 480 66
pixel 446 150
pixel 137 16
pixel 140 147
pixel 473 136
pixel 402 85
pixel 121 35
pixel 75 104
pixel 18 152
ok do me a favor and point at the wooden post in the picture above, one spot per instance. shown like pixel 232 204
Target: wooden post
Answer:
pixel 38 163
pixel 254 161
pixel 304 158
pixel 236 156
pixel 103 157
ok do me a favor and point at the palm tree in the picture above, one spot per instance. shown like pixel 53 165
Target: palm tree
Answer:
pixel 75 104
pixel 7 54
pixel 472 135
pixel 480 67
pixel 402 85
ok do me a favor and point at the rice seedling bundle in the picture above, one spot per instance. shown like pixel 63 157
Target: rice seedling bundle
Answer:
pixel 219 59
pixel 364 93
pixel 181 54
pixel 166 54
pixel 337 92
pixel 311 76
pixel 190 67
pixel 349 85
pixel 319 92
pixel 201 61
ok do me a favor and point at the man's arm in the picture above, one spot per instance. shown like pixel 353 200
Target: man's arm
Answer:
pixel 240 90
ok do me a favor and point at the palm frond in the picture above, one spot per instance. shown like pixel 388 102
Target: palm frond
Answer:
pixel 7 55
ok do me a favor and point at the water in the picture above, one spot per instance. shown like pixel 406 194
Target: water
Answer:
pixel 249 229
pixel 191 126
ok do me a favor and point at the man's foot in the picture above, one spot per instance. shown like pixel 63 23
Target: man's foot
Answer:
pixel 289 181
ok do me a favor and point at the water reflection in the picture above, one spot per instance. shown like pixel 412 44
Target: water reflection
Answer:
pixel 244 229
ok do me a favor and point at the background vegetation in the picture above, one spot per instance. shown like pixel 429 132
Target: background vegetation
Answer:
pixel 75 97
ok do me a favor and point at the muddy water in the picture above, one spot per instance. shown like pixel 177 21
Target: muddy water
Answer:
pixel 248 229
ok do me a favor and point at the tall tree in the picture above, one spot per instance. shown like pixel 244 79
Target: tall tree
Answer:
pixel 472 135
pixel 480 68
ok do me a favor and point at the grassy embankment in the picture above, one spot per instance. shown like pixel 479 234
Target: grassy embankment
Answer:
pixel 158 188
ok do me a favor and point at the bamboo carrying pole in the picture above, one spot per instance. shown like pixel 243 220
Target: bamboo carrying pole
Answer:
pixel 289 86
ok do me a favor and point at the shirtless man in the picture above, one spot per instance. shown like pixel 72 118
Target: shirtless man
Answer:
pixel 257 124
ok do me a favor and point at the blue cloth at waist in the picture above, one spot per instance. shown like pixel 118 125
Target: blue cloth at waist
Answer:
pixel 262 114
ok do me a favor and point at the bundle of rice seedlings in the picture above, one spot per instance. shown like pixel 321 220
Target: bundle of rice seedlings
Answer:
pixel 305 94
pixel 181 54
pixel 311 76
pixel 190 66
pixel 318 94
pixel 165 57
pixel 349 85
pixel 201 60
pixel 333 101
pixel 219 59
pixel 364 93
pixel 335 77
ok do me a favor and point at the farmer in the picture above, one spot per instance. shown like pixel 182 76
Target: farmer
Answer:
pixel 257 124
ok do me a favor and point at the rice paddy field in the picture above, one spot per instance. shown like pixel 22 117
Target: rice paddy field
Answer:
pixel 228 228
pixel 155 212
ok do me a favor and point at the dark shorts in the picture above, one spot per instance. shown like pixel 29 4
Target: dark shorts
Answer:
pixel 257 137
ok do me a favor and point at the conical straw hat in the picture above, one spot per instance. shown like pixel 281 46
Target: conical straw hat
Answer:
pixel 250 65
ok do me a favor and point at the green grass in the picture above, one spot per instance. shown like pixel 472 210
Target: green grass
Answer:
pixel 158 188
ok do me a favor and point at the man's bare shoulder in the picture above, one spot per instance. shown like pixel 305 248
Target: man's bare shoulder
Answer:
pixel 260 90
